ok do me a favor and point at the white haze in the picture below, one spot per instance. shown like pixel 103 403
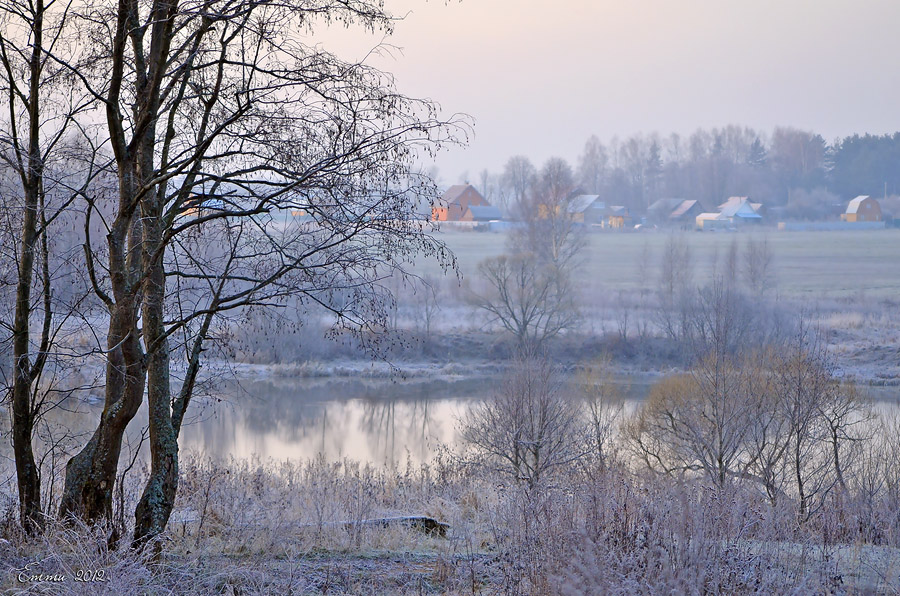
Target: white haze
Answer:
pixel 540 76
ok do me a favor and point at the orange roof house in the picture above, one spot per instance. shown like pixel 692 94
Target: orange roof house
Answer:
pixel 455 202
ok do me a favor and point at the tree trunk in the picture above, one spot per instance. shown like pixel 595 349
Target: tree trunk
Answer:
pixel 27 475
pixel 155 506
pixel 90 474
pixel 24 374
pixel 153 510
pixel 798 471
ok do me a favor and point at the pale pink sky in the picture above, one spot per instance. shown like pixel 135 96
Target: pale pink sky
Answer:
pixel 540 76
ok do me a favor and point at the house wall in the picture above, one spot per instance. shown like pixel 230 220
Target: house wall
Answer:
pixel 456 210
pixel 592 216
pixel 714 224
pixel 466 199
pixel 868 210
pixel 616 222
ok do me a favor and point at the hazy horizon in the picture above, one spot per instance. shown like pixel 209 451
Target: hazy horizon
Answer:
pixel 539 82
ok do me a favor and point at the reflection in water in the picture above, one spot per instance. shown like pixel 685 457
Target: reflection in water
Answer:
pixel 376 421
pixel 381 422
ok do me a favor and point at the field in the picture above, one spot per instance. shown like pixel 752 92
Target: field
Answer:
pixel 807 265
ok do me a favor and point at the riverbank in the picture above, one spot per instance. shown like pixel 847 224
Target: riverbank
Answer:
pixel 254 527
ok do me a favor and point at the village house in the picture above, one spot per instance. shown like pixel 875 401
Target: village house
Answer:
pixel 590 211
pixel 712 221
pixel 587 209
pixel 741 210
pixel 862 208
pixel 674 212
pixel 734 212
pixel 455 202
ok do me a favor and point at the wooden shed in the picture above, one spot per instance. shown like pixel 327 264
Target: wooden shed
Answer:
pixel 863 208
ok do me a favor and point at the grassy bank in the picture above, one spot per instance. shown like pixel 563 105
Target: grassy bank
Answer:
pixel 255 527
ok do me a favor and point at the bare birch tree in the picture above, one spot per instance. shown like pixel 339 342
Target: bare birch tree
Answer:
pixel 40 105
pixel 252 170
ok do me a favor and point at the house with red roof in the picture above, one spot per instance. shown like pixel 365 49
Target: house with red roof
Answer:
pixel 455 202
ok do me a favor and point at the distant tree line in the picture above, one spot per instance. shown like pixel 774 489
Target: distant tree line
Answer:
pixel 790 168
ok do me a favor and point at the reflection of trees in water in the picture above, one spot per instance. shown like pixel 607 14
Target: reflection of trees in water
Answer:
pixel 372 420
pixel 380 423
pixel 380 419
pixel 369 419
pixel 289 411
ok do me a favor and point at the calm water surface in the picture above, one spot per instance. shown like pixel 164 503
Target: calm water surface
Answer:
pixel 377 421
pixel 371 420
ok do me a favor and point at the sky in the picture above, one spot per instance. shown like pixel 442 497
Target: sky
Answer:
pixel 539 76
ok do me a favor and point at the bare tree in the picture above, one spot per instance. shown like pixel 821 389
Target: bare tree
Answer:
pixel 222 125
pixel 487 183
pixel 759 267
pixel 40 107
pixel 849 423
pixel 825 419
pixel 531 301
pixel 674 287
pixel 529 428
pixel 772 414
pixel 623 313
pixel 518 176
pixel 428 299
pixel 605 408
pixel 529 291
pixel 642 266
pixel 701 421
pixel 549 230
pixel 697 421
pixel 592 165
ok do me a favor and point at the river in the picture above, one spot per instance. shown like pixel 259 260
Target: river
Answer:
pixel 380 421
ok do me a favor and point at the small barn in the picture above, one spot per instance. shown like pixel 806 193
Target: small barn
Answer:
pixel 674 212
pixel 863 208
pixel 659 211
pixel 685 213
pixel 454 203
pixel 586 209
